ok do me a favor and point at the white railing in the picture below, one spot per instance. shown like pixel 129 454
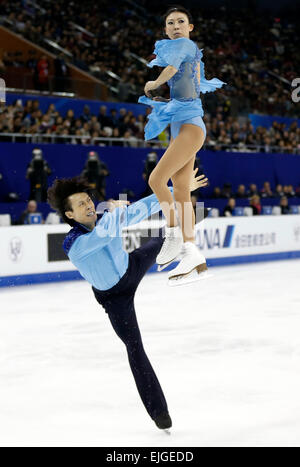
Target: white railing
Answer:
pixel 74 139
pixel 137 143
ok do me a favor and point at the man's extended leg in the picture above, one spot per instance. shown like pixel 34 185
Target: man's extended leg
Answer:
pixel 124 322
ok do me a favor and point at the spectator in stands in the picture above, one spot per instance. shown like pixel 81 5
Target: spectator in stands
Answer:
pixel 114 119
pixel 267 144
pixel 42 72
pixel 131 140
pixel 227 191
pixel 252 190
pixel 150 164
pixel 124 88
pixel 103 119
pixel 2 64
pixel 122 115
pixel 266 191
pixel 288 191
pixel 279 191
pixel 217 194
pixel 37 173
pixel 241 192
pixel 25 216
pixel 228 211
pixel 116 134
pixel 255 204
pixel 70 119
pixel 86 114
pixel 95 173
pixel 61 73
pixel 284 204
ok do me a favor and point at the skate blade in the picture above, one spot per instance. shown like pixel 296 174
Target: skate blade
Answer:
pixel 199 269
pixel 193 276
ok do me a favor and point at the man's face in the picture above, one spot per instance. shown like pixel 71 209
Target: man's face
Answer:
pixel 32 206
pixel 83 210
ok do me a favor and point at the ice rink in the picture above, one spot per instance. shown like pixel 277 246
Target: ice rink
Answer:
pixel 226 351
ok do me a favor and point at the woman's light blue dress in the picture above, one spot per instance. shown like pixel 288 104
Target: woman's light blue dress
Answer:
pixel 185 105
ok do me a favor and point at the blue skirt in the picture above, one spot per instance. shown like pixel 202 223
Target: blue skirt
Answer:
pixel 165 113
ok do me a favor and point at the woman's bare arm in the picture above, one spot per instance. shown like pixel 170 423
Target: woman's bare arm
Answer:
pixel 165 75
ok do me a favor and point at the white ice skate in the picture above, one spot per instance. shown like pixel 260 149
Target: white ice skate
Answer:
pixel 171 247
pixel 191 268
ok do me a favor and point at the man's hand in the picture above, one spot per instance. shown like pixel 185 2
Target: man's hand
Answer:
pixel 198 182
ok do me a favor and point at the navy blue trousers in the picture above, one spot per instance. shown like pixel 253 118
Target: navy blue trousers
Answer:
pixel 118 302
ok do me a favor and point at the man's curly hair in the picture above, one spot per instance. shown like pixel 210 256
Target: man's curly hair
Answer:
pixel 58 195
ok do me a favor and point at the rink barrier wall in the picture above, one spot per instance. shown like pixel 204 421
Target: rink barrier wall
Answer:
pixel 126 166
pixel 34 254
pixel 33 279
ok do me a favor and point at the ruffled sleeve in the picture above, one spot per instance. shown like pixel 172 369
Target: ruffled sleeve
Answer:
pixel 207 85
pixel 173 52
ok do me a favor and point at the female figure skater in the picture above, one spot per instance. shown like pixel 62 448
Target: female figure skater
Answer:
pixel 184 72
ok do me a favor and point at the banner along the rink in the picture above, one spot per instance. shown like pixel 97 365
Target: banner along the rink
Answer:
pixel 31 254
pixel 227 240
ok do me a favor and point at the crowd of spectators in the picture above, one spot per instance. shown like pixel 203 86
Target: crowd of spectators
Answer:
pixel 256 207
pixel 280 191
pixel 29 119
pixel 243 47
pixel 224 132
pixel 229 133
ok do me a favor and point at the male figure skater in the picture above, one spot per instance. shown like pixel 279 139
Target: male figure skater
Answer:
pixel 94 246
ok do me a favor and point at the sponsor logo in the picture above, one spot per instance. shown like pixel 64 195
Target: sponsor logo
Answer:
pixel 15 249
pixel 215 238
pixel 253 240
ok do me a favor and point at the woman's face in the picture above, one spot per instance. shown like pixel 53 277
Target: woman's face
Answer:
pixel 177 25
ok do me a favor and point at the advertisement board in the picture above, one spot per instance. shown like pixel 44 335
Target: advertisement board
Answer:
pixel 31 254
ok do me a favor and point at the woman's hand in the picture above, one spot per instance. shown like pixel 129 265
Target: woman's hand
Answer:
pixel 198 182
pixel 150 86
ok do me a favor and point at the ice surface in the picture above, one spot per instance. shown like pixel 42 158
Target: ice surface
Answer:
pixel 226 351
